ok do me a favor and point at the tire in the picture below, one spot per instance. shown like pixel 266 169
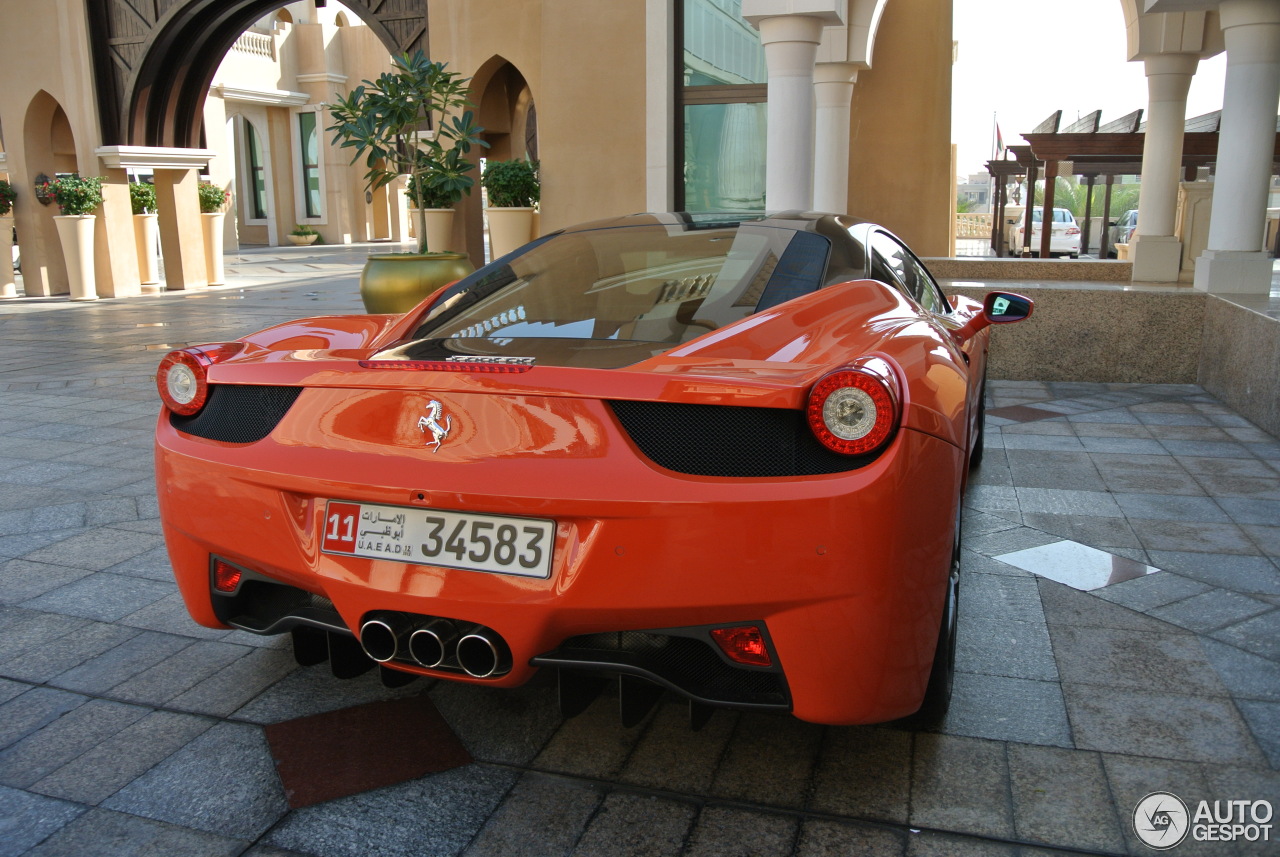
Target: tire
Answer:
pixel 937 695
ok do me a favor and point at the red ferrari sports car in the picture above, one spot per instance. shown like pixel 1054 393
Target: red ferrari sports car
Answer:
pixel 718 455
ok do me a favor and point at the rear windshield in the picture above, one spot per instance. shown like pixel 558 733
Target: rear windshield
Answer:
pixel 653 284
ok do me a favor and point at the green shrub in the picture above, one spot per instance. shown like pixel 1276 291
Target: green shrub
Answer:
pixel 7 196
pixel 75 195
pixel 212 198
pixel 512 184
pixel 143 197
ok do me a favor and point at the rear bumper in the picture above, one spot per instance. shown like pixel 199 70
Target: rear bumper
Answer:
pixel 845 571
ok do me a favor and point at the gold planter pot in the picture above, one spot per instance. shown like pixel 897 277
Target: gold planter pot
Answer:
pixel 398 282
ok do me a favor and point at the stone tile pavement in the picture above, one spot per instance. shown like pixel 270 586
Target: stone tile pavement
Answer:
pixel 125 729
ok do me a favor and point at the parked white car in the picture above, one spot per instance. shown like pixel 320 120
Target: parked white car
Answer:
pixel 1064 236
pixel 1121 230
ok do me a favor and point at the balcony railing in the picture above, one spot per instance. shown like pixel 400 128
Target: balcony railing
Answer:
pixel 258 44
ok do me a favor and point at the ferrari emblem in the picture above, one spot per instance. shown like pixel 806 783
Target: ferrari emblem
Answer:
pixel 435 411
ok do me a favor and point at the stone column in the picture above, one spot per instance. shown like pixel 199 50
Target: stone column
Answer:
pixel 180 229
pixel 1155 252
pixel 833 92
pixel 1235 260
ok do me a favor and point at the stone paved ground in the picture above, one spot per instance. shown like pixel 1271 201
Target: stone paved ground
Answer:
pixel 125 729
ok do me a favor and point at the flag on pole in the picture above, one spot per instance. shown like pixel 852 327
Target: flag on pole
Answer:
pixel 999 144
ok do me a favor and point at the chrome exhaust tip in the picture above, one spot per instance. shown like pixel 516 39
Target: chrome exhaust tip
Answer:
pixel 380 636
pixel 429 645
pixel 483 654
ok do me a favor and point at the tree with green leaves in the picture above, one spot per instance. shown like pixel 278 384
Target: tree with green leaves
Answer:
pixel 416 121
pixel 1070 194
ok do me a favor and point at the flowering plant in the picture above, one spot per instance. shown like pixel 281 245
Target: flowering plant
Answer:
pixel 142 197
pixel 73 194
pixel 212 198
pixel 7 196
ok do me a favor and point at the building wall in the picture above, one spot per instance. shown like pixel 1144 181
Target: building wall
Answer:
pixel 900 139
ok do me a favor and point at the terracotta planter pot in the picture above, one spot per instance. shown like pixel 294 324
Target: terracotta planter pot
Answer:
pixel 509 228
pixel 398 282
pixel 146 231
pixel 213 247
pixel 7 287
pixel 75 231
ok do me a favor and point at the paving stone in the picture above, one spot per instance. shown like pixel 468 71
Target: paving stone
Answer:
pixel 1211 610
pixel 27 819
pixel 104 597
pixel 181 672
pixel 1005 647
pixel 543 816
pixel 22 580
pixel 1247 574
pixel 1054 501
pixel 928 844
pixel 1068 471
pixel 1141 660
pixel 26 543
pixel 1266 538
pixel 136 654
pixel 1099 532
pixel 10 689
pixel 992 498
pixel 673 757
pixel 1260 635
pixel 1054 791
pixel 1042 442
pixel 629 825
pixel 314 690
pixel 231 687
pixel 154 564
pixel 508 725
pixel 1011 709
pixel 97 549
pixel 100 831
pixel 1009 541
pixel 1150 591
pixel 820 838
pixel 223 782
pixel 769 761
pixel 75 732
pixel 593 744
pixel 169 615
pixel 1160 725
pixel 721 831
pixel 1264 721
pixel 31 711
pixel 1191 536
pixel 864 772
pixel 1132 778
pixel 1164 507
pixel 961 785
pixel 976 523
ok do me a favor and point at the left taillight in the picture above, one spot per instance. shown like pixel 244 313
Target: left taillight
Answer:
pixel 855 410
pixel 183 376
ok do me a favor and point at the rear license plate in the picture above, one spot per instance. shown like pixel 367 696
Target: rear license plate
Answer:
pixel 489 543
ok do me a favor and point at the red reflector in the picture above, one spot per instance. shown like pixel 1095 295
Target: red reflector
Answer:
pixel 744 645
pixel 448 366
pixel 225 577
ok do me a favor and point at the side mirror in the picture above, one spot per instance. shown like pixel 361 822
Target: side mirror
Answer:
pixel 1006 307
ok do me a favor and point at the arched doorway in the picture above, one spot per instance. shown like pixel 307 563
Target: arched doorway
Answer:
pixel 506 108
pixel 50 148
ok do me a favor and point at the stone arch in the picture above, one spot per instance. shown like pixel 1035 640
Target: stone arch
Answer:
pixel 153 68
pixel 50 148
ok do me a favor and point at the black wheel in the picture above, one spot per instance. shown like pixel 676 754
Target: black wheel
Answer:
pixel 937 695
pixel 975 457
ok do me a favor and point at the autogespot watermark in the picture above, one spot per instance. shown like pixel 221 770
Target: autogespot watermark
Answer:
pixel 1162 821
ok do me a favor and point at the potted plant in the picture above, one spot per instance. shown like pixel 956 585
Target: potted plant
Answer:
pixel 146 231
pixel 76 198
pixel 7 197
pixel 432 208
pixel 213 201
pixel 513 190
pixel 303 235
pixel 416 121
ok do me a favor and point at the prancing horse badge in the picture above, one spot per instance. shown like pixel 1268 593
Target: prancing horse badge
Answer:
pixel 439 431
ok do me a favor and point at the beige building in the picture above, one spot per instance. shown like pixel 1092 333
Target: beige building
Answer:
pixel 629 106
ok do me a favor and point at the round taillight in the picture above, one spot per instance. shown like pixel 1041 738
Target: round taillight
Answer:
pixel 852 411
pixel 182 382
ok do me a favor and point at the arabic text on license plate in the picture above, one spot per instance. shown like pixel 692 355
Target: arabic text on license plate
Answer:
pixel 491 543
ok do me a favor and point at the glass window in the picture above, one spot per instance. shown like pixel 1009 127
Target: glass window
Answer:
pixel 310 151
pixel 893 263
pixel 720 134
pixel 257 174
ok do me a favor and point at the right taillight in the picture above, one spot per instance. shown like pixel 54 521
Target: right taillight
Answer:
pixel 182 378
pixel 853 411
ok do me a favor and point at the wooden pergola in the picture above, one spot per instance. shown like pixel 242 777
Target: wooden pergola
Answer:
pixel 1092 151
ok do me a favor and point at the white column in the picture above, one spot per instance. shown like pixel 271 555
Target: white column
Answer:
pixel 1235 261
pixel 790 48
pixel 1155 253
pixel 833 93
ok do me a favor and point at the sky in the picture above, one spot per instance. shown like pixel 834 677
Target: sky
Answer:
pixel 1048 55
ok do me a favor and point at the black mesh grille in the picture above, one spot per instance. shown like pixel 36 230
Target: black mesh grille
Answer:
pixel 238 413
pixel 687 663
pixel 728 440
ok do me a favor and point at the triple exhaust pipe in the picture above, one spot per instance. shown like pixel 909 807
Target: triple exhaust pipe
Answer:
pixel 435 643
